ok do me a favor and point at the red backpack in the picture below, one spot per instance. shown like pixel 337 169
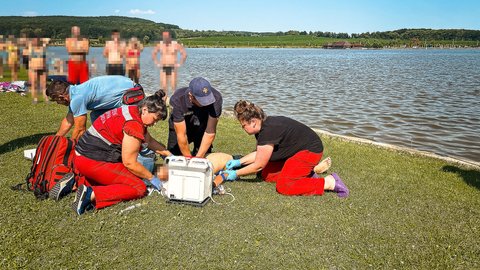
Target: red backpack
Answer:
pixel 53 159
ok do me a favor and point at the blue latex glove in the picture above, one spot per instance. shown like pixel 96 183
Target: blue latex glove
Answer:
pixel 157 184
pixel 233 164
pixel 231 175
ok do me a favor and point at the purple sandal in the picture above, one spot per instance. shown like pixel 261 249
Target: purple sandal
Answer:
pixel 340 188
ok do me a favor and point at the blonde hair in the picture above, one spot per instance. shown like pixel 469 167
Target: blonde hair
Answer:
pixel 246 111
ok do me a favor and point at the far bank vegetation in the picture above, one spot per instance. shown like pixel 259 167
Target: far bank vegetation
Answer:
pixel 98 30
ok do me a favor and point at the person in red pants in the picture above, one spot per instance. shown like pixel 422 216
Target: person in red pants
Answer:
pixel 106 155
pixel 77 48
pixel 288 153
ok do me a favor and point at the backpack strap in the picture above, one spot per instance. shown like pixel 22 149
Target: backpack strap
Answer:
pixel 34 163
pixel 68 152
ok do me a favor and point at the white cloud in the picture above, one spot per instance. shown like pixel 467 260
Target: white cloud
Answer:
pixel 30 13
pixel 117 11
pixel 138 11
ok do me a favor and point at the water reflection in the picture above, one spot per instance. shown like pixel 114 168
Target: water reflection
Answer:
pixel 426 99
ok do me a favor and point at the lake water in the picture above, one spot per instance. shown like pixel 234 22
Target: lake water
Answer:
pixel 423 99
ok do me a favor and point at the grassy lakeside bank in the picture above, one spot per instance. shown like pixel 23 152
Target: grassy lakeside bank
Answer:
pixel 298 41
pixel 404 211
pixel 308 41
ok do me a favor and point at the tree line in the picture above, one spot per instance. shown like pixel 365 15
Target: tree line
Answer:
pixel 99 29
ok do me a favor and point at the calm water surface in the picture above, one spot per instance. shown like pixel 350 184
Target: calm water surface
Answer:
pixel 424 99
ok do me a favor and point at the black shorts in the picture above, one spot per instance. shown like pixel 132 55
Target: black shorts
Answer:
pixel 25 61
pixel 115 69
pixel 168 70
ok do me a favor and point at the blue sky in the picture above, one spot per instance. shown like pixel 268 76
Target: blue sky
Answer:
pixel 348 16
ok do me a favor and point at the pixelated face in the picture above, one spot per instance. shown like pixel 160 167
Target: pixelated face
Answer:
pixel 75 31
pixel 166 36
pixel 251 127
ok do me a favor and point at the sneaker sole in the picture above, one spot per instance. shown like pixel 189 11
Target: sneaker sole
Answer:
pixel 79 197
pixel 57 189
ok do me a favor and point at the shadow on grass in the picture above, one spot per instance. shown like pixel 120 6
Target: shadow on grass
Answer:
pixel 250 180
pixel 471 177
pixel 21 142
pixel 255 179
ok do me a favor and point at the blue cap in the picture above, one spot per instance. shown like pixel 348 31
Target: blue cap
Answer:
pixel 202 91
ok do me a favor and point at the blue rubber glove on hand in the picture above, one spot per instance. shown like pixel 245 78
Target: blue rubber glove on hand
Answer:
pixel 233 164
pixel 157 184
pixel 231 175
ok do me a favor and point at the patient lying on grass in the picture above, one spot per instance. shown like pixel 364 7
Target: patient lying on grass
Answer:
pixel 288 153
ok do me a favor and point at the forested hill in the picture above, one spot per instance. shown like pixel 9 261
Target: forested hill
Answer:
pixel 99 29
pixel 424 34
pixel 58 27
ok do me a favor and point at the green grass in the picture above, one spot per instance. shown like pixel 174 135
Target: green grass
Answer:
pixel 259 41
pixel 307 41
pixel 7 77
pixel 404 212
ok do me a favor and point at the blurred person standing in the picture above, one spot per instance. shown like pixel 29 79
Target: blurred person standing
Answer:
pixel 168 62
pixel 25 44
pixel 77 48
pixel 13 56
pixel 37 72
pixel 114 51
pixel 3 55
pixel 134 48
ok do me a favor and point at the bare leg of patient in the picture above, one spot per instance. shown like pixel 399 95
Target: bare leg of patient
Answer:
pixel 323 166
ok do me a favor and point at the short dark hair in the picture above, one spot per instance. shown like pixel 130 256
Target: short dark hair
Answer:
pixel 155 104
pixel 57 88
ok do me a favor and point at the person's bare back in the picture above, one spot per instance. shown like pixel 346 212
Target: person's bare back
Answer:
pixel 114 52
pixel 77 47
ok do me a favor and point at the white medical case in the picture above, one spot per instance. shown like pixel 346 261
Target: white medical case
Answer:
pixel 189 180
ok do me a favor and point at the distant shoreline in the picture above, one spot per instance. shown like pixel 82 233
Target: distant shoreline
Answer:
pixel 298 47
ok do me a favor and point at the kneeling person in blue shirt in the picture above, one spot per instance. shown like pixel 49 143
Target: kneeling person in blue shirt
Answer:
pixel 98 95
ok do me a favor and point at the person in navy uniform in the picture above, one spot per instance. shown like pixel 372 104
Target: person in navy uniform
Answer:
pixel 194 118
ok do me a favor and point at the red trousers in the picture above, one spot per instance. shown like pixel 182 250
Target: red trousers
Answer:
pixel 111 182
pixel 77 72
pixel 293 176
